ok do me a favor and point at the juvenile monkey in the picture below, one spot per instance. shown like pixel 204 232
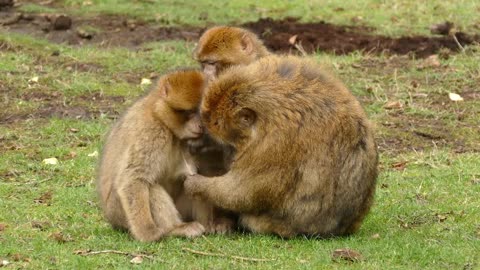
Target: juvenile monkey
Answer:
pixel 145 160
pixel 306 160
pixel 223 46
pixel 219 48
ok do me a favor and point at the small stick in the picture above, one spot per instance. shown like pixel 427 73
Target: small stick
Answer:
pixel 240 258
pixel 458 43
pixel 91 252
pixel 300 48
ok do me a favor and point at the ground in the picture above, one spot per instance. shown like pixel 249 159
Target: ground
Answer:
pixel 62 85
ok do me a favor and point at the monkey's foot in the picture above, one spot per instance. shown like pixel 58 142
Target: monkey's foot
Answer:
pixel 189 230
pixel 221 226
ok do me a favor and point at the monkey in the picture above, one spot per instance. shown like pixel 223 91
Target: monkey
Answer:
pixel 223 46
pixel 219 48
pixel 306 159
pixel 145 160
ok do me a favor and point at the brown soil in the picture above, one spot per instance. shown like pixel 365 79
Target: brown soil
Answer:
pixel 55 105
pixel 319 36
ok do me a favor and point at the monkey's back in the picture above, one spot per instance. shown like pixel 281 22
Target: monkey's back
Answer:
pixel 313 142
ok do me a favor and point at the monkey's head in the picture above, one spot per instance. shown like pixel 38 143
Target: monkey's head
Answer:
pixel 180 95
pixel 222 46
pixel 226 112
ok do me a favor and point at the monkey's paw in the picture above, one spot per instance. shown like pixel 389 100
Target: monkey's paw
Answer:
pixel 193 185
pixel 221 225
pixel 189 230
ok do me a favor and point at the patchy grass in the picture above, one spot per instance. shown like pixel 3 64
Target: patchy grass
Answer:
pixel 427 208
pixel 389 17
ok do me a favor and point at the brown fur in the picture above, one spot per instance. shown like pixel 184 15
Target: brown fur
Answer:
pixel 145 161
pixel 223 46
pixel 306 160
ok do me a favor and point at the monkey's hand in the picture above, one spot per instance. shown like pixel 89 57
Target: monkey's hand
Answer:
pixel 195 184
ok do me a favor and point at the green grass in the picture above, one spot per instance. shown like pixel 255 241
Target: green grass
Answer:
pixel 426 215
pixel 389 17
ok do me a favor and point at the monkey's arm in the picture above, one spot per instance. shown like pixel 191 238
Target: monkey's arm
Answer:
pixel 229 192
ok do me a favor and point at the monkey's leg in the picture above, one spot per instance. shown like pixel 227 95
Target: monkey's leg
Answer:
pixel 135 197
pixel 167 217
pixel 267 224
pixel 229 192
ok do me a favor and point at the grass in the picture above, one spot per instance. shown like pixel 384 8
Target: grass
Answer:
pixel 427 209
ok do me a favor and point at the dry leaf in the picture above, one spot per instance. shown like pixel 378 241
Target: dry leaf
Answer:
pixel 292 39
pixel 74 130
pixel 375 236
pixel 50 161
pixel 33 80
pixel 441 218
pixel 93 154
pixel 393 105
pixel 347 255
pixel 4 263
pixel 455 97
pixel 137 260
pixel 42 225
pixel 145 81
pixel 45 198
pixel 2 227
pixel 430 62
pixel 60 237
pixel 400 166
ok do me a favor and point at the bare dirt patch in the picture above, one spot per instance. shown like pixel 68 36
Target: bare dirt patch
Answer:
pixel 55 105
pixel 318 36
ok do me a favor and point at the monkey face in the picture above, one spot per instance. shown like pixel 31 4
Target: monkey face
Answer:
pixel 193 127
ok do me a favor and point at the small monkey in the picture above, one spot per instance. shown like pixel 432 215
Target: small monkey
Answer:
pixel 145 160
pixel 219 48
pixel 306 159
pixel 222 46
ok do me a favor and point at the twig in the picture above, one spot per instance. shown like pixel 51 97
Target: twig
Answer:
pixel 299 47
pixel 91 252
pixel 456 41
pixel 240 258
pixel 212 244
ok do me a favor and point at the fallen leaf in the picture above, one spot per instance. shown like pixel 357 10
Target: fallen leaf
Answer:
pixel 45 198
pixel 50 161
pixel 346 254
pixel 4 263
pixel 41 225
pixel 455 97
pixel 60 237
pixel 33 80
pixel 292 39
pixel 375 236
pixel 145 81
pixel 2 227
pixel 74 130
pixel 400 166
pixel 137 260
pixel 72 154
pixel 430 62
pixel 393 105
pixel 93 154
pixel 441 218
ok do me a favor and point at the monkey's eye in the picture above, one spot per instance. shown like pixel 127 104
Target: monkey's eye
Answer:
pixel 186 113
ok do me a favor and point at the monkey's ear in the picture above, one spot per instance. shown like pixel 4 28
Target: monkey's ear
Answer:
pixel 247 44
pixel 165 88
pixel 246 117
